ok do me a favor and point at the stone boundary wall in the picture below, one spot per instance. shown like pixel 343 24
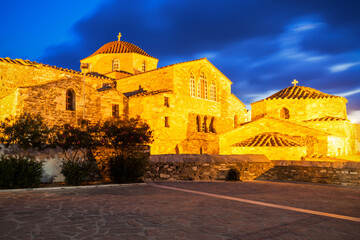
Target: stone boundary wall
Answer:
pixel 173 167
pixel 252 167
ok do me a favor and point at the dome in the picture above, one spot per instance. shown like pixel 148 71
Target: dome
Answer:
pixel 299 92
pixel 120 47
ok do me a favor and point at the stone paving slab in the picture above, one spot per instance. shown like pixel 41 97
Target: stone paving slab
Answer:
pixel 148 212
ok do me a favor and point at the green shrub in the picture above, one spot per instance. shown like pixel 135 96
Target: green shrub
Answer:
pixel 233 175
pixel 19 172
pixel 78 171
pixel 127 168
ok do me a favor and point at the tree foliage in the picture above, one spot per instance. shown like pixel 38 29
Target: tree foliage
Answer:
pixel 26 130
pixel 125 134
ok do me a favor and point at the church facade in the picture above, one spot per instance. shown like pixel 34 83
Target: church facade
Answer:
pixel 189 105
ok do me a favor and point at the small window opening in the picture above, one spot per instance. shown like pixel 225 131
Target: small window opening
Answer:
pixel 205 127
pixel 198 124
pixel 284 113
pixel 192 85
pixel 166 102
pixel 70 100
pixel 167 124
pixel 143 66
pixel 116 65
pixel 115 110
pixel 177 150
pixel 212 125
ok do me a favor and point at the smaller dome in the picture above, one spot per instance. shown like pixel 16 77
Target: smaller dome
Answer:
pixel 120 47
pixel 299 92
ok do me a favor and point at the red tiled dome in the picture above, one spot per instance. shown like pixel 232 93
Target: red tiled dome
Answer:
pixel 120 47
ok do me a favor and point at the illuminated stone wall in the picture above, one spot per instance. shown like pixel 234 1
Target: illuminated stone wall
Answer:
pixel 42 89
pixel 129 62
pixel 300 109
pixel 149 81
pixel 182 135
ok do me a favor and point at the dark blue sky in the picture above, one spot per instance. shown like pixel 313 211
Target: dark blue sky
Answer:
pixel 261 45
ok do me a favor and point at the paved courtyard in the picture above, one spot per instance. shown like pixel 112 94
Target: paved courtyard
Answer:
pixel 209 210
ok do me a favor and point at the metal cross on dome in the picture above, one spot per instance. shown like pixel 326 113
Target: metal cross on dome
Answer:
pixel 295 82
pixel 119 36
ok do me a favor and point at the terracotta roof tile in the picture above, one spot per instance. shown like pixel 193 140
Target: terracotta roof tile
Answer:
pixel 268 140
pixel 120 47
pixel 299 92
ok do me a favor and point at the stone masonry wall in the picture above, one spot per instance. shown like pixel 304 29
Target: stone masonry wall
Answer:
pixel 301 109
pixel 252 167
pixel 338 173
pixel 205 166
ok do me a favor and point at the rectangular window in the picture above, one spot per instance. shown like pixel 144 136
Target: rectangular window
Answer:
pixel 166 102
pixel 115 110
pixel 167 120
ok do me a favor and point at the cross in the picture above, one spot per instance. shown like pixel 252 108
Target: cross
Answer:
pixel 294 82
pixel 119 36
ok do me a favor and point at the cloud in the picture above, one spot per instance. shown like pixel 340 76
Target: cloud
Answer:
pixel 349 93
pixel 259 45
pixel 343 66
pixel 354 116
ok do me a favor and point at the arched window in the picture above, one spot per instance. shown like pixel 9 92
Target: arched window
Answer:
pixel 236 121
pixel 70 100
pixel 177 150
pixel 192 85
pixel 213 91
pixel 116 65
pixel 212 125
pixel 204 127
pixel 284 113
pixel 198 123
pixel 204 85
pixel 199 89
pixel 143 66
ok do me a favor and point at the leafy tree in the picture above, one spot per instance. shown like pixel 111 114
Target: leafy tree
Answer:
pixel 77 141
pixel 26 130
pixel 77 144
pixel 124 135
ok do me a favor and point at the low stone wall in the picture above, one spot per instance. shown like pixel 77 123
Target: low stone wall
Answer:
pixel 205 166
pixel 252 167
pixel 339 173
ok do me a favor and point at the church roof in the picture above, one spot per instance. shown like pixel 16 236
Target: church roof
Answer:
pixel 299 92
pixel 120 47
pixel 36 64
pixel 268 140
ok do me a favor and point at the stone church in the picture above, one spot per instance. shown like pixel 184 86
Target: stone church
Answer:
pixel 188 105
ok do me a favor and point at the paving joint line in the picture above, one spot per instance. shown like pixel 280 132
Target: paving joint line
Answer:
pixel 294 209
pixel 70 187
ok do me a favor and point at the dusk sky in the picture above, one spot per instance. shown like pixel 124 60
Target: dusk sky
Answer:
pixel 260 45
